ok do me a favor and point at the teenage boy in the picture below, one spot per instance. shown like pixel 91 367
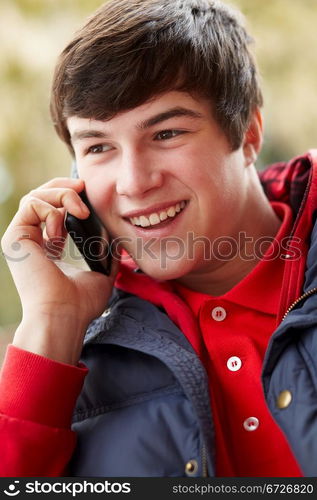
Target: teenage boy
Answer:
pixel 159 103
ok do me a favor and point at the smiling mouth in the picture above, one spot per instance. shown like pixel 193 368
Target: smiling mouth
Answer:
pixel 158 218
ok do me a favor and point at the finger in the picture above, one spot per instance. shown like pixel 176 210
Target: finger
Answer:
pixel 77 185
pixel 26 224
pixel 60 198
pixel 62 212
pixel 22 243
pixel 54 248
pixel 67 182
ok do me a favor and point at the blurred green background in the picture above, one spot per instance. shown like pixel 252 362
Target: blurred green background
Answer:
pixel 33 32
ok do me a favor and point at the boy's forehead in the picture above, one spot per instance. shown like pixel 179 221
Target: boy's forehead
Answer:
pixel 157 109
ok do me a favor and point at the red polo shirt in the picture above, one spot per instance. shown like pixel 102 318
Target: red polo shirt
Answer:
pixel 236 328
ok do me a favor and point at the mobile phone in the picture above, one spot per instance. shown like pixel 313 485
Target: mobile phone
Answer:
pixel 91 238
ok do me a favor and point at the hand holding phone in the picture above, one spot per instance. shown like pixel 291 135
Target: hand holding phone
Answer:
pixel 60 299
pixel 91 238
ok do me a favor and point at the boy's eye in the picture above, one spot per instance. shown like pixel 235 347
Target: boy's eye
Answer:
pixel 167 134
pixel 98 148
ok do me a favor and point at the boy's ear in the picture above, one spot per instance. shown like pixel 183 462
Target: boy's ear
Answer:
pixel 253 137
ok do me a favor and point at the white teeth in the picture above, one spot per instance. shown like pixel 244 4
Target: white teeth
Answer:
pixel 156 218
pixel 144 221
pixel 163 215
pixel 171 211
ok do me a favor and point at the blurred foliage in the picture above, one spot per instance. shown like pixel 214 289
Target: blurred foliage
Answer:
pixel 33 32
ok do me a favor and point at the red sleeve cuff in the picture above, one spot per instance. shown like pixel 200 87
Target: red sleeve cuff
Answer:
pixel 39 389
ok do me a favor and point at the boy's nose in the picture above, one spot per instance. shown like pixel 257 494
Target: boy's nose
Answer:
pixel 137 175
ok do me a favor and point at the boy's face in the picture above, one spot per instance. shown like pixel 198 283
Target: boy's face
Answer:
pixel 166 160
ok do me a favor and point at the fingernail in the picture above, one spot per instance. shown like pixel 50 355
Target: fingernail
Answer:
pixel 84 207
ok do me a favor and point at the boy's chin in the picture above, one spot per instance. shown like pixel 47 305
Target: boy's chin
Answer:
pixel 167 270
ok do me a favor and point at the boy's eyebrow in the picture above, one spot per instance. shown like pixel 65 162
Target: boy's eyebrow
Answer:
pixel 150 122
pixel 166 115
pixel 85 134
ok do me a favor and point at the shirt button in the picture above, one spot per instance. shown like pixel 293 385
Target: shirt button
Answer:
pixel 191 467
pixel 234 364
pixel 284 399
pixel 251 424
pixel 218 313
pixel 106 312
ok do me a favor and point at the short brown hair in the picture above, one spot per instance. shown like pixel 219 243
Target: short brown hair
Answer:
pixel 132 50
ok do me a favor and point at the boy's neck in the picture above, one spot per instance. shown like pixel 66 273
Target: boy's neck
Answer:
pixel 222 275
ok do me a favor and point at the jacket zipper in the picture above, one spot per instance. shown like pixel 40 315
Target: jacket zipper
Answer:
pixel 204 461
pixel 302 297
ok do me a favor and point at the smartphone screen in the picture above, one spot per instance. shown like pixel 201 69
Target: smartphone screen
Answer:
pixel 91 238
